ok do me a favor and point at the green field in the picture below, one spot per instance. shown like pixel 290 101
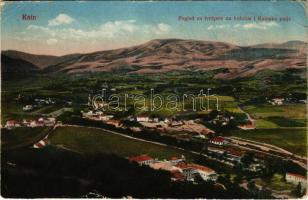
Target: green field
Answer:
pixel 269 116
pixel 293 111
pixel 21 137
pixel 89 140
pixel 291 139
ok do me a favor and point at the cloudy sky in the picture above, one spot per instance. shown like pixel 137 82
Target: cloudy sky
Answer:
pixel 80 27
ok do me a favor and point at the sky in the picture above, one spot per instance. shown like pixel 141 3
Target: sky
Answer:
pixel 81 27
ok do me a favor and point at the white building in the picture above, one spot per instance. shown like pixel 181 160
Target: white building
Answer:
pixel 218 141
pixel 296 178
pixel 204 172
pixel 27 108
pixel 190 171
pixel 11 124
pixel 176 160
pixel 35 123
pixel 277 101
pixel 105 117
pixel 41 119
pixel 142 118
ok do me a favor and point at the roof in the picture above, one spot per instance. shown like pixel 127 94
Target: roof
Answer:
pixel 201 167
pixel 140 158
pixel 11 121
pixel 184 165
pixel 177 175
pixel 164 166
pixel 174 158
pixel 297 175
pixel 142 116
pixel 218 139
pixel 249 125
pixel 235 152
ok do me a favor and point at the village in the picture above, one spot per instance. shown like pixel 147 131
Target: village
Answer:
pixel 225 150
pixel 40 122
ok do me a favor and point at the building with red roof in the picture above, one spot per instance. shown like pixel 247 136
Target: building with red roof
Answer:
pixel 296 178
pixel 247 127
pixel 190 171
pixel 177 176
pixel 175 160
pixel 218 140
pixel 11 124
pixel 142 159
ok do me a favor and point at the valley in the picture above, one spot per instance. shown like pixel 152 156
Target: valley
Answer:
pixel 252 125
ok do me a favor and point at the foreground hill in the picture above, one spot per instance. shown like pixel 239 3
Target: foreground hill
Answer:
pixel 16 68
pixel 41 61
pixel 157 56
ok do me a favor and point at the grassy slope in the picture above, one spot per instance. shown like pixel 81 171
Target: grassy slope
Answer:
pixel 86 140
pixel 20 137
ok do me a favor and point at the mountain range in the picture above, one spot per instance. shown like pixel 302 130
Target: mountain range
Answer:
pixel 163 55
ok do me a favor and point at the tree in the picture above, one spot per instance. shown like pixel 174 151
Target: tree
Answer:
pixel 298 190
pixel 251 186
pixel 247 159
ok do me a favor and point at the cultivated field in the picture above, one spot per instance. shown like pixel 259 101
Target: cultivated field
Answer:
pixel 291 139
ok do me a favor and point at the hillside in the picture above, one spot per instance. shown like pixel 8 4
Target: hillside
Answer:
pixel 157 56
pixel 16 68
pixel 41 61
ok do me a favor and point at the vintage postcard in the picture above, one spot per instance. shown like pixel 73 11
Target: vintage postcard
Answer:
pixel 154 99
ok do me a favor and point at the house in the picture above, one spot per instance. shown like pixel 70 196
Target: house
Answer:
pixel 248 126
pixel 218 140
pixel 175 160
pixel 41 119
pixel 135 129
pixel 176 123
pixel 207 131
pixel 255 167
pixel 27 108
pixel 164 165
pixel 34 123
pixel 116 123
pixel 50 121
pixel 204 172
pixel 234 155
pixel 167 121
pixel 11 124
pixel 142 118
pixel 105 117
pixel 142 159
pixel 187 171
pixel 40 144
pixel 190 171
pixel 177 176
pixel 25 122
pixel 277 101
pixel 156 119
pixel 296 178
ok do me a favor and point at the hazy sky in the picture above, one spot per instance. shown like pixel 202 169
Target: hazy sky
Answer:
pixel 80 27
